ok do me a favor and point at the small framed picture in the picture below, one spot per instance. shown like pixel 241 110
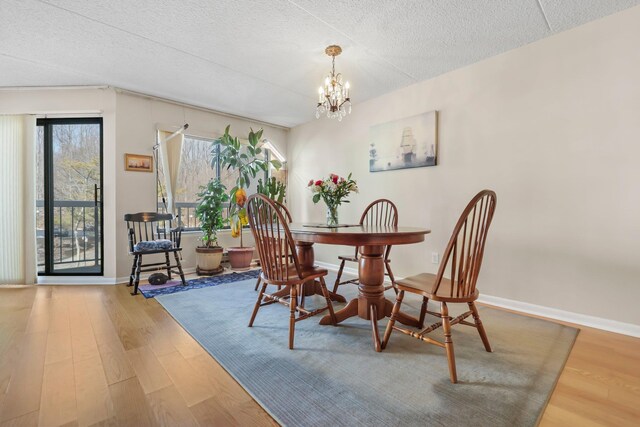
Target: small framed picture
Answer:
pixel 138 163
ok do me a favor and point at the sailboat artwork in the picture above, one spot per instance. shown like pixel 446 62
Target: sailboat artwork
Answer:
pixel 410 142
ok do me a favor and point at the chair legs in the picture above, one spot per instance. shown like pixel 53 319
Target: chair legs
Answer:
pixel 446 329
pixel 168 262
pixel 258 302
pixel 423 311
pixel 257 283
pixel 448 342
pixel 335 286
pixel 180 272
pixel 293 301
pixel 294 305
pixel 137 275
pixel 325 292
pixel 392 320
pixel 480 327
pixel 133 270
pixel 387 264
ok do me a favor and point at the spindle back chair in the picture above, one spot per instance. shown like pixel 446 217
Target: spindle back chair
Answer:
pixel 461 262
pixel 381 212
pixel 279 261
pixel 147 228
pixel 287 216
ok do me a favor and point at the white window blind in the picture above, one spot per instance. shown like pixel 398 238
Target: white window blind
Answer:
pixel 17 199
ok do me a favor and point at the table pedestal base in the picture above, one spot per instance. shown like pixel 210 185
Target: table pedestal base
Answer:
pixel 361 308
pixel 371 304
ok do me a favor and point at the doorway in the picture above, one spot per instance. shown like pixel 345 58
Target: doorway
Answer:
pixel 69 197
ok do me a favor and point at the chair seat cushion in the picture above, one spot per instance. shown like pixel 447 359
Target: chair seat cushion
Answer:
pixel 424 284
pixel 153 245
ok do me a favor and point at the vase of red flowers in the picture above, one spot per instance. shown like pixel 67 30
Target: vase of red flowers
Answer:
pixel 333 191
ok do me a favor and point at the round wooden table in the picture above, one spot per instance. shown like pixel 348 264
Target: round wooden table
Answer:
pixel 371 303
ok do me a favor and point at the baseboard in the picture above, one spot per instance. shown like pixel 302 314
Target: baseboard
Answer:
pixel 94 280
pixel 538 310
pixel 566 316
pixel 76 280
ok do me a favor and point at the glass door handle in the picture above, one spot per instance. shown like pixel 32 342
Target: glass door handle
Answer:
pixel 95 194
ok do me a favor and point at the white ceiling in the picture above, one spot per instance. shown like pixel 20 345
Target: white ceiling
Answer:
pixel 264 59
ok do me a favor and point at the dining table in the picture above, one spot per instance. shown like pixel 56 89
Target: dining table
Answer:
pixel 371 241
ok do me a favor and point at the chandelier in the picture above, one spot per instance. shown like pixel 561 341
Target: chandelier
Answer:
pixel 333 95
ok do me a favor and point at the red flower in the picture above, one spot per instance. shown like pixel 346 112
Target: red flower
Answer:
pixel 319 182
pixel 310 183
pixel 334 178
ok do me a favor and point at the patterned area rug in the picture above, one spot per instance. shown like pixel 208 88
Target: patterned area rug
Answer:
pixel 174 286
pixel 335 378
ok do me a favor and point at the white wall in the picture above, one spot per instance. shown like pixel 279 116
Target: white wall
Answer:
pixel 137 120
pixel 70 102
pixel 553 127
pixel 130 123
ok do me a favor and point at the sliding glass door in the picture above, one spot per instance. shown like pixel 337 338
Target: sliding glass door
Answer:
pixel 69 194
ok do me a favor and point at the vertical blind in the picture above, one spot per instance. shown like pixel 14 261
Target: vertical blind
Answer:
pixel 17 199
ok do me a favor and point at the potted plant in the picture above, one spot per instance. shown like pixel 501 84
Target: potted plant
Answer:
pixel 212 200
pixel 242 160
pixel 273 189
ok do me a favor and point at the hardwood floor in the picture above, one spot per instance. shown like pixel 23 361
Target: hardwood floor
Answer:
pixel 95 355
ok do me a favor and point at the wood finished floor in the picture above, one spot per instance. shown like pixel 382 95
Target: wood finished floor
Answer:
pixel 95 355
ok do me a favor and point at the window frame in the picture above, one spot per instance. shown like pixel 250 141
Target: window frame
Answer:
pixel 159 205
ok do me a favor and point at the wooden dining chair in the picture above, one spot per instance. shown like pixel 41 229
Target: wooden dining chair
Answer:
pixel 276 248
pixel 152 233
pixel 379 212
pixel 461 262
pixel 287 216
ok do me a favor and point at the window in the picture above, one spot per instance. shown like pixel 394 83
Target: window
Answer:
pixel 195 171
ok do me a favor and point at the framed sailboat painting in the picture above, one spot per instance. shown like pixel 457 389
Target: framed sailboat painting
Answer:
pixel 410 142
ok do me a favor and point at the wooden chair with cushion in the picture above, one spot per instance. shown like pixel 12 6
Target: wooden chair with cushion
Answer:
pixel 276 248
pixel 379 212
pixel 287 216
pixel 152 233
pixel 461 263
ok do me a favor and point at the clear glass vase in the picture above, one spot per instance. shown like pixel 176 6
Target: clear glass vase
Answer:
pixel 332 216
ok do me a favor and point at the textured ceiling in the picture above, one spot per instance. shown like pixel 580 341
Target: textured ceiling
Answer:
pixel 264 59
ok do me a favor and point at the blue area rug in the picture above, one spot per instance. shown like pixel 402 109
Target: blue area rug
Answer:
pixel 202 282
pixel 335 378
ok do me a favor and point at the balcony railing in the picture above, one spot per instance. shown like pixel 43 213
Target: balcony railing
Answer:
pixel 76 241
pixel 186 211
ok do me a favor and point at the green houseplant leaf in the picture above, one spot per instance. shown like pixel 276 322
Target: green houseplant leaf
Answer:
pixel 212 200
pixel 246 166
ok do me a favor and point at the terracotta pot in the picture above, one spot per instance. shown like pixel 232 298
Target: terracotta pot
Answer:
pixel 240 257
pixel 208 260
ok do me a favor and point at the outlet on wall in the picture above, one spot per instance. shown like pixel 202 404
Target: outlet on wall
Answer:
pixel 435 257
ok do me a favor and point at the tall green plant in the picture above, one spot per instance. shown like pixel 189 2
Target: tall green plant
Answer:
pixel 273 189
pixel 212 199
pixel 243 160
